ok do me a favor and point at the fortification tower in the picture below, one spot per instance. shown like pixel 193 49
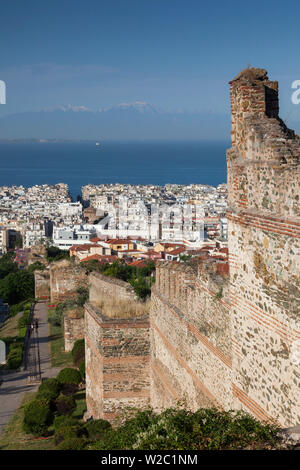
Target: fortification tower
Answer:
pixel 264 252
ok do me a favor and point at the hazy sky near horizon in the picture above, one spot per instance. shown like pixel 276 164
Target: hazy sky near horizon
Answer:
pixel 173 54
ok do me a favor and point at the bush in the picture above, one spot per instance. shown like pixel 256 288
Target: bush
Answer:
pixel 72 443
pixel 78 352
pixel 65 405
pixel 14 359
pixel 24 320
pixel 68 431
pixel 55 319
pixel 97 428
pixel 49 389
pixel 15 309
pixel 64 420
pixel 82 369
pixel 37 417
pixel 69 375
pixel 179 429
pixel 69 389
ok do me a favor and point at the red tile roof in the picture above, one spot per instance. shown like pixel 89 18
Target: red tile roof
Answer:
pixel 140 263
pixel 95 239
pixel 177 251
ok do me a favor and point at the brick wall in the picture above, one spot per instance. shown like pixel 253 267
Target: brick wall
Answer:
pixel 264 252
pixel 65 278
pixel 100 285
pixel 117 354
pixel 42 284
pixel 73 328
pixel 190 337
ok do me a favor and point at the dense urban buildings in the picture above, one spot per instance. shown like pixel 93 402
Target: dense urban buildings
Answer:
pixel 190 215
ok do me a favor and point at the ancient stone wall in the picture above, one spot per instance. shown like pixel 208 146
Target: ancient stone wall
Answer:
pixel 73 327
pixel 264 252
pixel 100 285
pixel 42 284
pixel 117 354
pixel 117 364
pixel 65 278
pixel 190 337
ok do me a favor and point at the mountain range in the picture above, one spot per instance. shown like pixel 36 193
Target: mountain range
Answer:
pixel 126 121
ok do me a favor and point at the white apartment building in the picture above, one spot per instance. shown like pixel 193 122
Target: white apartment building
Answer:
pixel 3 240
pixel 70 209
pixel 65 237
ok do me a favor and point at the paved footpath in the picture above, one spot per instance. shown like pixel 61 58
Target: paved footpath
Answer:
pixel 15 383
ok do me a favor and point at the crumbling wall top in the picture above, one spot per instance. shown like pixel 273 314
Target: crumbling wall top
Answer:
pixel 251 76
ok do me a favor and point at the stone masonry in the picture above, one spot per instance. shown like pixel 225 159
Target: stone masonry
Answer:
pixel 117 354
pixel 190 337
pixel 264 252
pixel 235 343
pixel 65 278
pixel 42 284
pixel 73 327
pixel 230 340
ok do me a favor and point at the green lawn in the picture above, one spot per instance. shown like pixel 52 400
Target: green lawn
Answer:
pixel 59 358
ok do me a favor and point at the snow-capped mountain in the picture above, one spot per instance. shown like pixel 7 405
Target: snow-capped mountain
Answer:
pixel 130 121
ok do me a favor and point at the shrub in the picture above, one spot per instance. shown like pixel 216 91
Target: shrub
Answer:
pixel 14 359
pixel 180 429
pixel 24 320
pixel 69 375
pixel 37 417
pixel 141 287
pixel 78 352
pixel 66 432
pixel 15 309
pixel 83 295
pixel 64 420
pixel 65 405
pixel 69 389
pixel 97 428
pixel 72 443
pixel 82 369
pixel 55 319
pixel 49 389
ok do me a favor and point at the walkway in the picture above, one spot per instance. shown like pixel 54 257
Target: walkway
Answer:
pixel 15 384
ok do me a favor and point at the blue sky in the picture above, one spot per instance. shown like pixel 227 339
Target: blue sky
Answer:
pixel 173 54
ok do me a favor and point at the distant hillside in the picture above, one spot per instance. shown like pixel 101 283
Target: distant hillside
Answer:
pixel 132 121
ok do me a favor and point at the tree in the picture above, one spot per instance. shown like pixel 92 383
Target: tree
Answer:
pixel 35 266
pixel 55 254
pixel 7 265
pixel 17 286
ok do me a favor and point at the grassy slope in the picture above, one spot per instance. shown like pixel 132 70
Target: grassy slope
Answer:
pixel 10 326
pixel 59 358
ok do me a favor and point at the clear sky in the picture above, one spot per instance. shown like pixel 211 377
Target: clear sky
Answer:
pixel 174 54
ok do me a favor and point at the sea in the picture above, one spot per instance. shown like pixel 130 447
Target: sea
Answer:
pixel 81 163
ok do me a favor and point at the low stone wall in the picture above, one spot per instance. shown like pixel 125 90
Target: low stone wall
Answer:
pixel 117 364
pixel 103 285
